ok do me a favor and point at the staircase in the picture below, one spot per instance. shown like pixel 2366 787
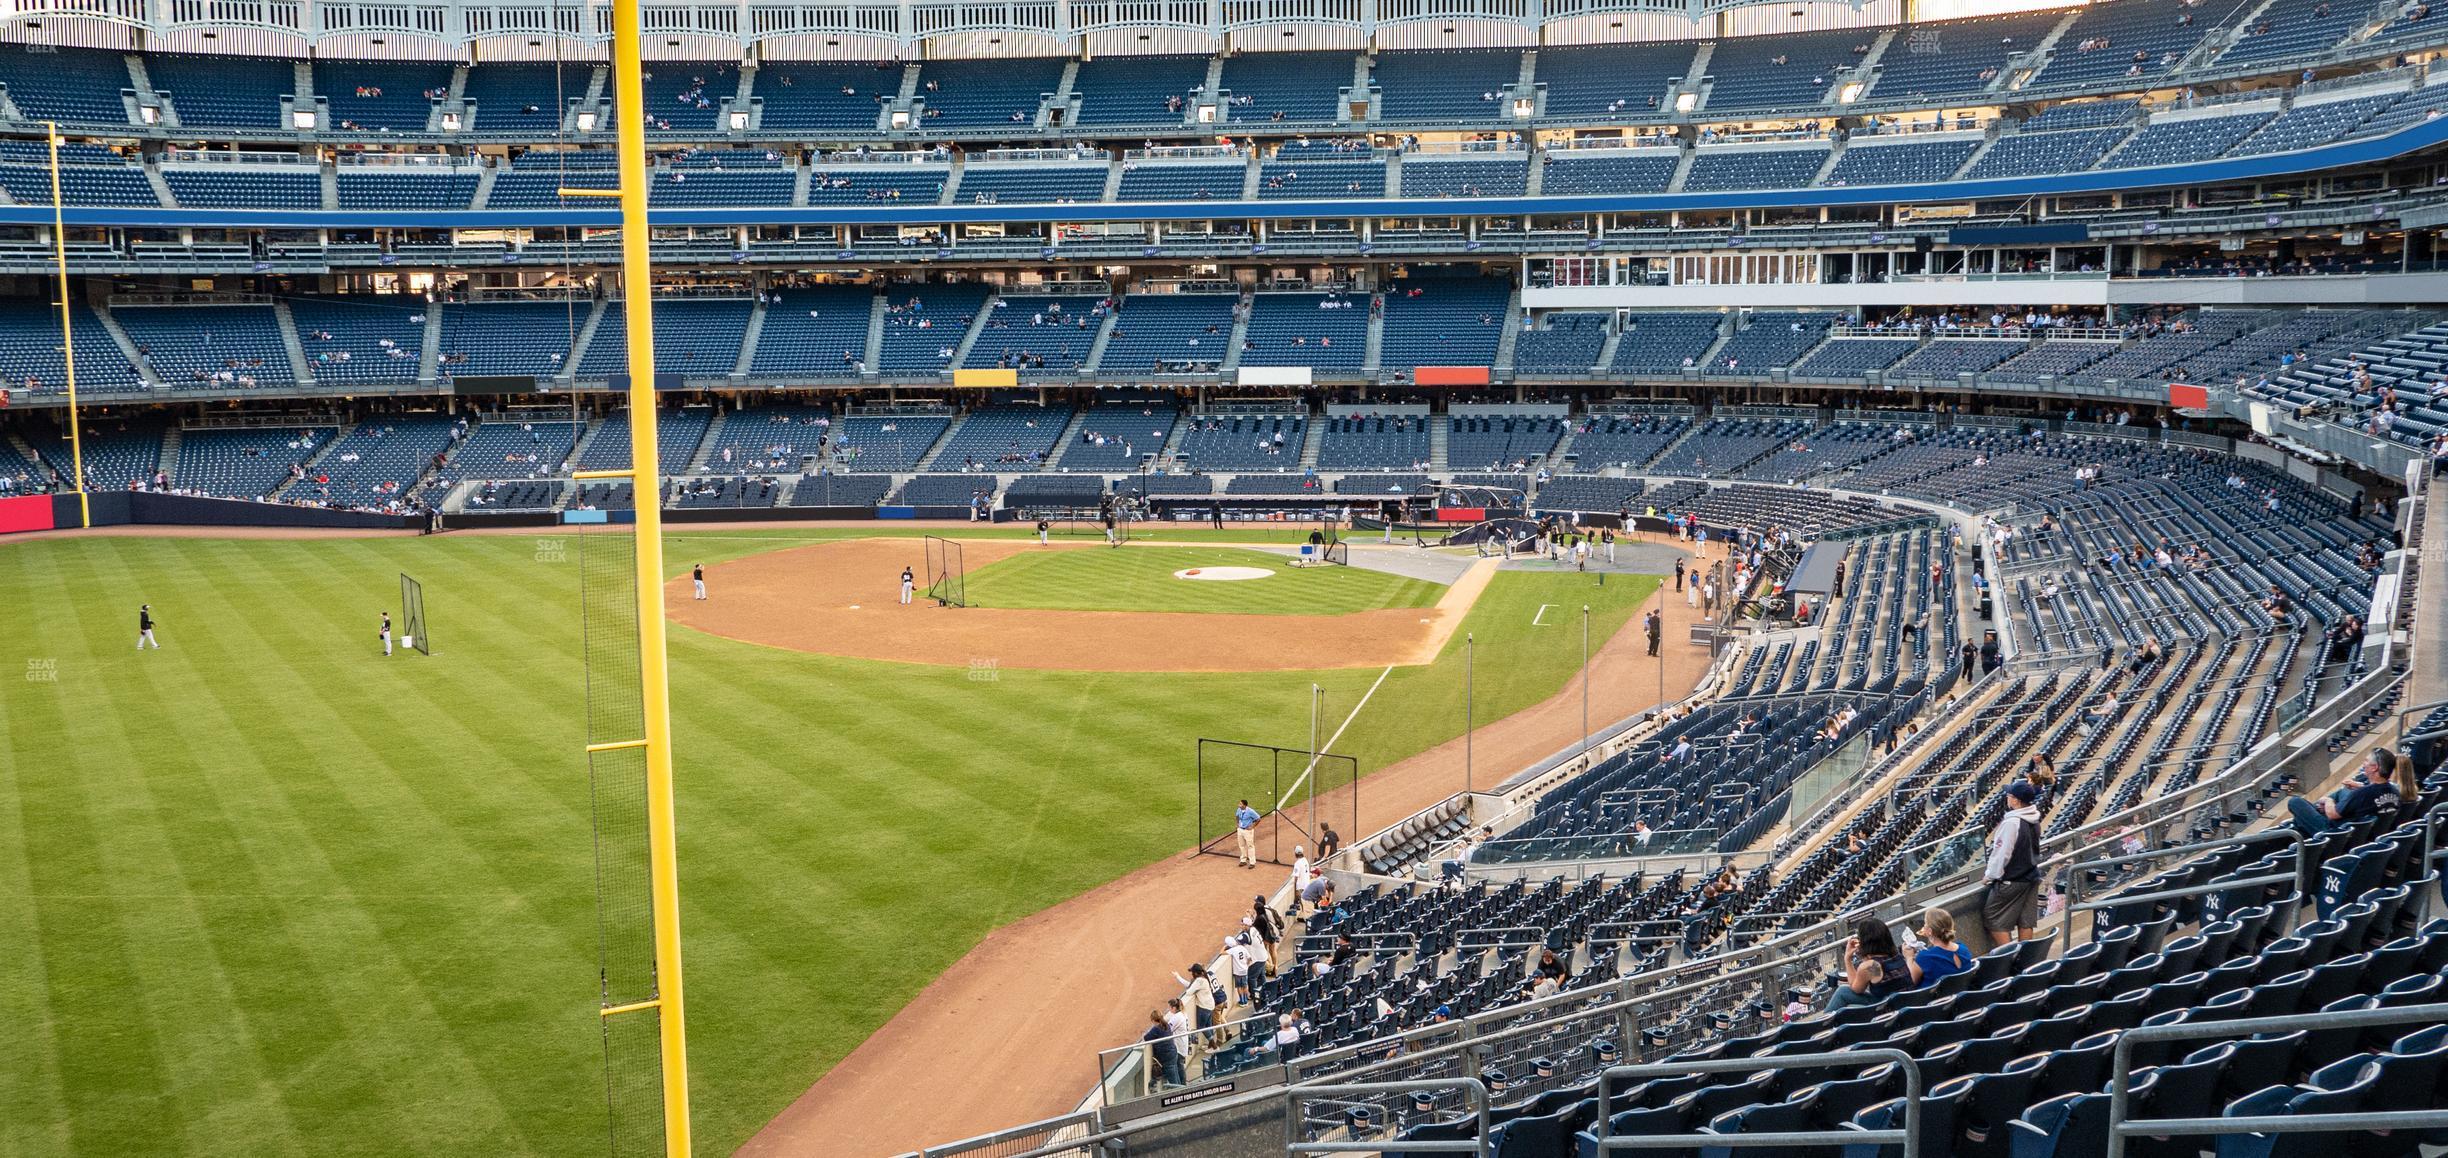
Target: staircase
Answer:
pixel 578 348
pixel 1440 437
pixel 1682 169
pixel 586 438
pixel 1725 333
pixel 742 99
pixel 484 187
pixel 286 323
pixel 952 180
pixel 1070 436
pixel 969 337
pixel 705 446
pixel 2023 66
pixel 331 185
pixel 1836 153
pixel 1606 352
pixel 1512 331
pixel 455 101
pixel 1679 440
pixel 748 340
pixel 127 346
pixel 592 101
pixel 301 92
pixel 1555 458
pixel 802 176
pixel 1096 349
pixel 1173 440
pixel 169 463
pixel 1313 437
pixel 1394 169
pixel 1996 130
pixel 429 356
pixel 161 188
pixel 871 363
pixel 1240 336
pixel 140 80
pixel 1538 173
pixel 937 447
pixel 1375 357
pixel 306 469
pixel 1249 179
pixel 1062 92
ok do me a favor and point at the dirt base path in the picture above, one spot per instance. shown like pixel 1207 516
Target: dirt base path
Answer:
pixel 844 598
pixel 1010 1033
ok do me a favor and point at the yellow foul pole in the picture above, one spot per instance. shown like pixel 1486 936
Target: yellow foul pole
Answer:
pixel 654 685
pixel 59 251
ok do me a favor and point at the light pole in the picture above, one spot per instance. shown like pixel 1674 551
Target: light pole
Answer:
pixel 1585 680
pixel 1470 648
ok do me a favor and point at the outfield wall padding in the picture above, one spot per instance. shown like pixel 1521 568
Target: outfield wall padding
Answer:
pixel 147 508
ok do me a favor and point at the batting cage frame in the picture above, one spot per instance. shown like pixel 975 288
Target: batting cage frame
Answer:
pixel 1279 782
pixel 412 615
pixel 947 573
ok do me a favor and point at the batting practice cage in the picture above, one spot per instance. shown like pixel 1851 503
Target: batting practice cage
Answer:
pixel 412 615
pixel 1294 798
pixel 947 580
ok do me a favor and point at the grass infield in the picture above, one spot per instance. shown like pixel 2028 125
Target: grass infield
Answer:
pixel 270 893
pixel 1142 579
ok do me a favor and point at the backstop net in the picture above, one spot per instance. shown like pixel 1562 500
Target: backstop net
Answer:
pixel 946 577
pixel 412 616
pixel 1295 800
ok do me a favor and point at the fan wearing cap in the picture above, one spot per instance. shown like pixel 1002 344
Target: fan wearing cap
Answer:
pixel 2010 902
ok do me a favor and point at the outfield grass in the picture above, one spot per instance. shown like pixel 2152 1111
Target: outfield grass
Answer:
pixel 1142 579
pixel 272 894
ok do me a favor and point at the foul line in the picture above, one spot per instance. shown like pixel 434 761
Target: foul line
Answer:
pixel 1330 740
pixel 1535 620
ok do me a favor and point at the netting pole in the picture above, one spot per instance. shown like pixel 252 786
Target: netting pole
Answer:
pixel 637 285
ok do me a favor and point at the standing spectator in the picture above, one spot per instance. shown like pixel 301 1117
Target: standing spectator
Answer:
pixel 1245 834
pixel 2010 902
pixel 1678 574
pixel 1269 927
pixel 1200 989
pixel 1300 867
pixel 1328 843
pixel 1164 1058
pixel 1236 948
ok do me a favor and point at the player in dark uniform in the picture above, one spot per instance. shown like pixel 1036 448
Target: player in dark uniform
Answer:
pixel 144 627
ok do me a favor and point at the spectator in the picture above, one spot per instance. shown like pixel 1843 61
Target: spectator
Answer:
pixel 2371 789
pixel 1236 947
pixel 2010 902
pixel 1200 988
pixel 1328 843
pixel 1269 927
pixel 1164 1057
pixel 1318 893
pixel 1941 955
pixel 1873 968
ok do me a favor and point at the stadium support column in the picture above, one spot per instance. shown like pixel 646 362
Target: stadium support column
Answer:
pixel 59 253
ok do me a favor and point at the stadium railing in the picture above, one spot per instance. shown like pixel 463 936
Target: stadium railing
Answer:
pixel 1629 1008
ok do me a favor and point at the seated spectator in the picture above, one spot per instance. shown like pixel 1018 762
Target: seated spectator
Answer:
pixel 1940 955
pixel 1873 968
pixel 2370 790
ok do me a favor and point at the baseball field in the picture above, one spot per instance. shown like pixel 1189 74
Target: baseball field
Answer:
pixel 268 892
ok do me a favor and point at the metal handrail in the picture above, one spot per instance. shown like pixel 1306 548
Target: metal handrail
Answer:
pixel 2074 883
pixel 1909 1137
pixel 2120 1096
pixel 1473 1087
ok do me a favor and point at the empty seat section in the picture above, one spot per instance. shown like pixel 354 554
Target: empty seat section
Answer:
pixel 1117 436
pixel 1134 90
pixel 1771 340
pixel 677 433
pixel 984 93
pixel 1360 442
pixel 777 438
pixel 1038 334
pixel 888 443
pixel 1612 79
pixel 378 462
pixel 993 184
pixel 1004 438
pixel 1623 440
pixel 1753 167
pixel 1609 171
pixel 2293 28
pixel 2028 154
pixel 924 326
pixel 1326 331
pixel 1443 321
pixel 1446 86
pixel 380 96
pixel 1286 86
pixel 1506 176
pixel 1948 357
pixel 361 338
pixel 1853 357
pixel 681 96
pixel 70 85
pixel 1243 442
pixel 524 99
pixel 698 338
pixel 809 96
pixel 31 361
pixel 224 92
pixel 1563 343
pixel 208 346
pixel 1501 441
pixel 1790 72
pixel 1281 180
pixel 1170 333
pixel 817 332
pixel 368 187
pixel 244 462
pixel 1665 343
pixel 244 187
pixel 1921 161
pixel 529 338
pixel 2134 39
pixel 1957 56
pixel 2310 124
pixel 860 184
pixel 88 175
pixel 2177 142
pixel 1158 181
